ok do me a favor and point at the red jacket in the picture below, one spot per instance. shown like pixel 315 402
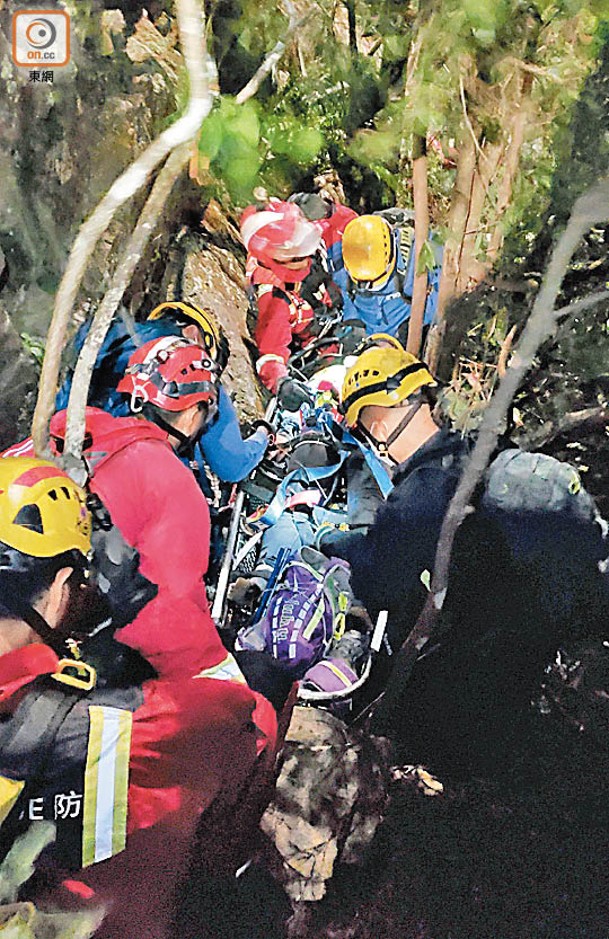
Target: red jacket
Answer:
pixel 157 505
pixel 333 228
pixel 283 324
pixel 177 749
pixel 154 501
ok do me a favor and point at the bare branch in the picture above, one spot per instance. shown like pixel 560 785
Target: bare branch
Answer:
pixel 504 352
pixel 578 306
pixel 75 424
pixel 573 420
pixel 421 233
pixel 190 21
pixel 590 209
pixel 248 91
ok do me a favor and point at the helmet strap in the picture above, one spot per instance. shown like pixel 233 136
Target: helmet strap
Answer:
pixel 383 445
pixel 186 443
pixel 16 604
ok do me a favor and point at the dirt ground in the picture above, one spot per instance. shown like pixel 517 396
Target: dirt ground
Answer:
pixel 525 856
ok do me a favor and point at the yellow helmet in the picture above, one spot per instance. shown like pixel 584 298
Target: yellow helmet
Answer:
pixel 212 334
pixel 369 250
pixel 380 341
pixel 382 376
pixel 42 512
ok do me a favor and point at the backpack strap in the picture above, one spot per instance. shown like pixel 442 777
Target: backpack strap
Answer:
pixel 27 737
pixel 27 740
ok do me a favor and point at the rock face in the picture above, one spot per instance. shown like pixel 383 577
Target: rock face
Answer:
pixel 18 376
pixel 214 278
pixel 330 798
pixel 63 143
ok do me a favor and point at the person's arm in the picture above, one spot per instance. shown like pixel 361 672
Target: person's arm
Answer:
pixel 341 279
pixel 156 503
pixel 158 506
pixel 388 561
pixel 273 338
pixel 225 451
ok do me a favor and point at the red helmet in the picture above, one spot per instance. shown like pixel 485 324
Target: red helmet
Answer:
pixel 170 373
pixel 278 232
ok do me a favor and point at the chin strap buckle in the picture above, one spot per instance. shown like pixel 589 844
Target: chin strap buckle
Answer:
pixel 75 674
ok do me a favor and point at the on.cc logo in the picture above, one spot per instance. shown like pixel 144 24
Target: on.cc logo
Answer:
pixel 41 37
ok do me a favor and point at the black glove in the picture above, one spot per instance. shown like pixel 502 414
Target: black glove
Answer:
pixel 291 393
pixel 265 425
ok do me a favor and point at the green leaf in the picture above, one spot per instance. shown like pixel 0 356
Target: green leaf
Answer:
pixel 211 135
pixel 244 123
pixel 426 260
pixel 485 37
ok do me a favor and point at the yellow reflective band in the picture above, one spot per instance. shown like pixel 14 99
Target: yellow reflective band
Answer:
pixel 337 671
pixel 314 621
pixel 106 784
pixel 226 670
pixel 10 790
pixel 339 626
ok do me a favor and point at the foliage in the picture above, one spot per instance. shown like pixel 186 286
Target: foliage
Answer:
pixel 21 920
pixel 237 141
pixel 446 66
pixel 34 347
pixel 321 94
pixel 476 373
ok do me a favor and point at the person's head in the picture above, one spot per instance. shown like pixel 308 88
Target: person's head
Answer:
pixel 313 206
pixel 279 237
pixel 45 542
pixel 386 399
pixel 172 383
pixel 369 251
pixel 197 325
pixel 379 341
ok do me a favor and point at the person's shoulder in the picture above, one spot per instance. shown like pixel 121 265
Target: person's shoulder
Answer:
pixel 443 452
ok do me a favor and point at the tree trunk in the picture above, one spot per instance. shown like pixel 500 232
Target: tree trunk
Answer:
pixel 471 271
pixel 522 108
pixel 350 4
pixel 457 221
pixel 421 232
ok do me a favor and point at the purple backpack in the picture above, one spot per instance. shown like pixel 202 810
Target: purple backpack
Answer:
pixel 306 610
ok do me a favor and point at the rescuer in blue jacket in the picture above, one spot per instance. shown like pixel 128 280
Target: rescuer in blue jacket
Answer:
pixel 377 281
pixel 222 448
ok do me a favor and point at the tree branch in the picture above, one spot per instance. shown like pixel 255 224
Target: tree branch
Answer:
pixel 143 231
pixel 590 209
pixel 248 91
pixel 190 21
pixel 421 233
pixel 573 420
pixel 467 120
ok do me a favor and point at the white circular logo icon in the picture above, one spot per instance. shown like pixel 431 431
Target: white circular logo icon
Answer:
pixel 41 33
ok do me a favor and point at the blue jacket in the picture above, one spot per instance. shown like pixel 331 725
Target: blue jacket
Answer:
pixel 387 309
pixel 222 447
